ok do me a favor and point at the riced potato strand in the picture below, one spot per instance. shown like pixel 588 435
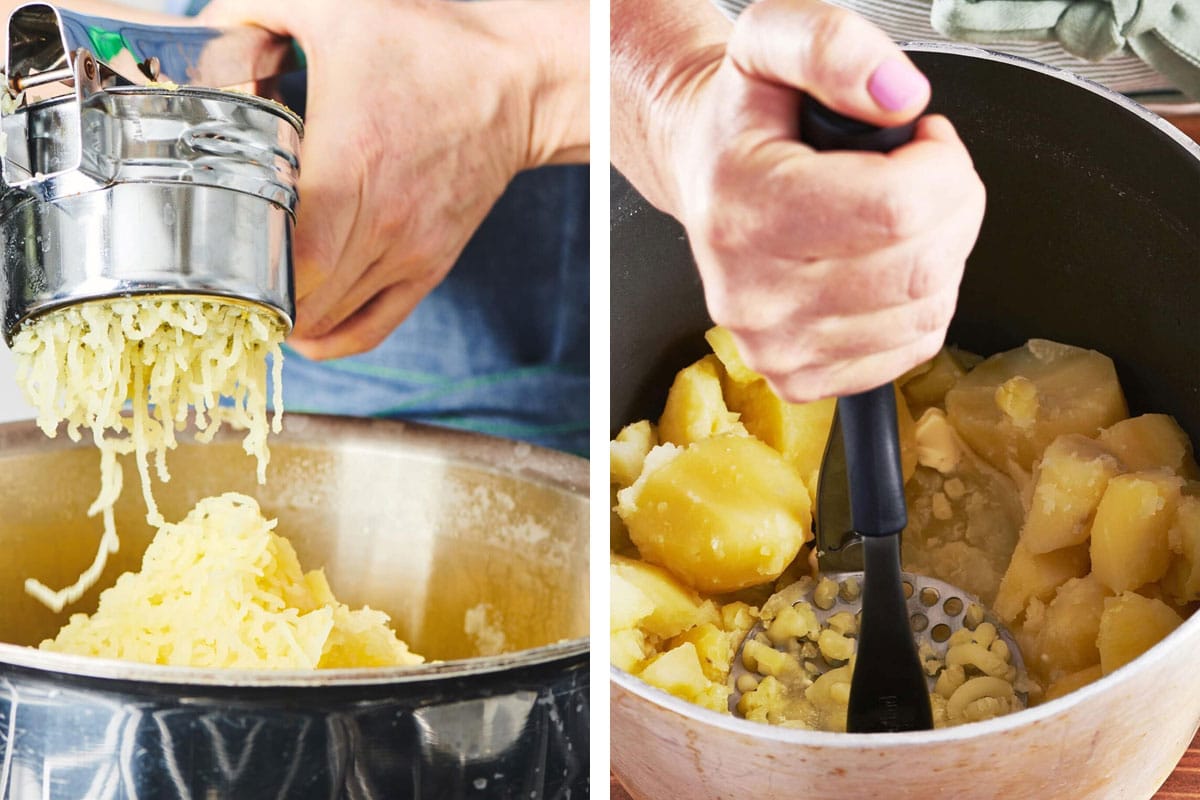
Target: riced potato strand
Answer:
pixel 81 364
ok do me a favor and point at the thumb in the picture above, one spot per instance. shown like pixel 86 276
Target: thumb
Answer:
pixel 835 55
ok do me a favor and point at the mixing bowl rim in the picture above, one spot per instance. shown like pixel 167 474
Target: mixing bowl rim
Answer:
pixel 550 468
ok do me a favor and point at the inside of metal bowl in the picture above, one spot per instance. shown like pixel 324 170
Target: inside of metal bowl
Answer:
pixel 421 523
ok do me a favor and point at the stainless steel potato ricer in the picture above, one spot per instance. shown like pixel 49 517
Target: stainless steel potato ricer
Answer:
pixel 131 168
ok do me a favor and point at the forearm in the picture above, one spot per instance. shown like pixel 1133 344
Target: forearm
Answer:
pixel 559 129
pixel 658 48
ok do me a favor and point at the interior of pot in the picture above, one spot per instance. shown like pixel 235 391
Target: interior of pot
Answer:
pixel 1091 237
pixel 421 523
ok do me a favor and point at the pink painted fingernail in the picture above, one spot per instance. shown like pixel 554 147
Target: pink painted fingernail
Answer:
pixel 896 84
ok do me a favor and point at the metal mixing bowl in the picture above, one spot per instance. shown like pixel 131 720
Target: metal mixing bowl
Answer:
pixel 422 523
pixel 1092 237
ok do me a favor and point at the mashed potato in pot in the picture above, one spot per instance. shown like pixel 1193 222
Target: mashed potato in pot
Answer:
pixel 221 589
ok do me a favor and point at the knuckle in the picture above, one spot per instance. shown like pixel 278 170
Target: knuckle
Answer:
pixel 834 33
pixel 928 274
pixel 893 213
pixel 722 232
pixel 933 316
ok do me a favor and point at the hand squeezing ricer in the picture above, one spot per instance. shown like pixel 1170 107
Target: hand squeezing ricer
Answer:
pixel 129 170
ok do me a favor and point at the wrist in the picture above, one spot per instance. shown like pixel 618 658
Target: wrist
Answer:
pixel 547 41
pixel 663 53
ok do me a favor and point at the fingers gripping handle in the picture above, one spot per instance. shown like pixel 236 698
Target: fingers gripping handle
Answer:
pixel 875 477
pixel 822 128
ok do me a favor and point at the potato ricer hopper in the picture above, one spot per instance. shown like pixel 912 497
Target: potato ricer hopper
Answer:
pixel 130 168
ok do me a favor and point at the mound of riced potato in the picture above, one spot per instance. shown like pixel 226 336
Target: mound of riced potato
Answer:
pixel 168 358
pixel 221 589
pixel 1029 486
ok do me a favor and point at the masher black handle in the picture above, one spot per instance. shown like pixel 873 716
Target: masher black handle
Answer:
pixel 888 691
pixel 876 482
pixel 873 471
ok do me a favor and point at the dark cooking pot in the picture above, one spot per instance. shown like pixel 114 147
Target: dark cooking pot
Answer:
pixel 419 522
pixel 1092 237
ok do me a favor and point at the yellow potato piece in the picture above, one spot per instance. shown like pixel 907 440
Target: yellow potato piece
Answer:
pixel 1065 640
pixel 627 452
pixel 724 514
pixel 618 536
pixel 714 647
pixel 695 407
pixel 628 605
pixel 721 341
pixel 1151 441
pixel 679 672
pixel 1131 625
pixel 797 431
pixel 629 649
pixel 676 607
pixel 1069 683
pixel 1013 405
pixel 1030 576
pixel 1182 581
pixel 1071 479
pixel 1129 535
pixel 926 386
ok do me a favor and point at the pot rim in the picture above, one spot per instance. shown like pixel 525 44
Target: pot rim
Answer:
pixel 1146 115
pixel 559 470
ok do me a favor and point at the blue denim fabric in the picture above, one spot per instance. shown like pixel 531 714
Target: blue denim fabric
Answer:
pixel 501 346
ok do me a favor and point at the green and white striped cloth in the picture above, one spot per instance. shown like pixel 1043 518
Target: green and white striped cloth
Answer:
pixel 1147 49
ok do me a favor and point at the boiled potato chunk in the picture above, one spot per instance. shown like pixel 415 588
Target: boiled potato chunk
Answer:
pixel 797 431
pixel 714 647
pixel 618 535
pixel 1182 581
pixel 1071 479
pixel 1131 625
pixel 1013 405
pixel 629 649
pixel 1129 535
pixel 926 386
pixel 679 672
pixel 1069 683
pixel 724 514
pixel 1030 575
pixel 906 429
pixel 675 607
pixel 627 452
pixel 1151 441
pixel 628 605
pixel 1063 639
pixel 722 344
pixel 964 519
pixel 695 407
